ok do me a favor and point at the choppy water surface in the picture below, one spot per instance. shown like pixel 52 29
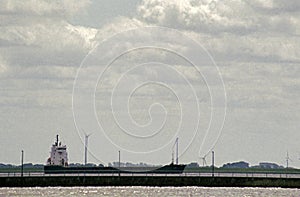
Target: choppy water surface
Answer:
pixel 147 191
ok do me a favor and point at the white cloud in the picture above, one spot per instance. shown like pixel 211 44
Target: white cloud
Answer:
pixel 215 16
pixel 42 7
pixel 50 34
pixel 42 49
pixel 88 34
pixel 117 25
pixel 40 30
pixel 206 16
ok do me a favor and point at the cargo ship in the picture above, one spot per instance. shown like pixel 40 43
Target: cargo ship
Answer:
pixel 57 163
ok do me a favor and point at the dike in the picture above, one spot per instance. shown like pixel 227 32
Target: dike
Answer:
pixel 157 181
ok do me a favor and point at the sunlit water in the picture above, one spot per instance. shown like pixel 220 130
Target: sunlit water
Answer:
pixel 147 191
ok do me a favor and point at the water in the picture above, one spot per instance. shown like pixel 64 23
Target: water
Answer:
pixel 147 191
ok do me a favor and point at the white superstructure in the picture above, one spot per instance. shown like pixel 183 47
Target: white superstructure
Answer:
pixel 58 154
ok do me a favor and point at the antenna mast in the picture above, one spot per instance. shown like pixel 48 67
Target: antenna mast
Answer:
pixel 56 140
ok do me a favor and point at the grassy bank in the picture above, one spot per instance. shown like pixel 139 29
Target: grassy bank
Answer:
pixel 242 170
pixel 187 170
pixel 160 181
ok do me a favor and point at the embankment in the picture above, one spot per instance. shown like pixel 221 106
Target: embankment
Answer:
pixel 69 181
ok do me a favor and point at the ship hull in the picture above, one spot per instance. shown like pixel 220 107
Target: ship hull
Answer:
pixel 52 169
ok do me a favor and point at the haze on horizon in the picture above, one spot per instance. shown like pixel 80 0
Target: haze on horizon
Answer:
pixel 47 48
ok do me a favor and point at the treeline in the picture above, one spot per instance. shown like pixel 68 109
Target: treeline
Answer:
pixel 240 165
pixel 25 165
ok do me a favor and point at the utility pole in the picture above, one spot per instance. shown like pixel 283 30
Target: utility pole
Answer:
pixel 204 161
pixel 22 163
pixel 119 163
pixel 119 159
pixel 213 163
pixel 172 157
pixel 287 163
pixel 177 150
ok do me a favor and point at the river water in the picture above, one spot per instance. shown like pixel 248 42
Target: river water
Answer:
pixel 147 191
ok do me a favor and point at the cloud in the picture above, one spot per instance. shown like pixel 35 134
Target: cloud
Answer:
pixel 204 16
pixel 215 16
pixel 41 30
pixel 42 7
pixel 42 51
pixel 43 34
pixel 275 6
pixel 117 25
pixel 255 47
pixel 57 43
pixel 3 66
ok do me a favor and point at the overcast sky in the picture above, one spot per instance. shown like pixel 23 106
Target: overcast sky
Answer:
pixel 220 75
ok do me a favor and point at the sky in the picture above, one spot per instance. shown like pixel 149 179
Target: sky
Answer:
pixel 137 74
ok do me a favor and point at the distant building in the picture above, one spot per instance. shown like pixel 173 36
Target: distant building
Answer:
pixel 192 165
pixel 268 165
pixel 6 165
pixel 240 164
pixel 75 164
pixel 90 165
pixel 27 165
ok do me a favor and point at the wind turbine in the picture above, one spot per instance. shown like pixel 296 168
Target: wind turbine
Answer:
pixel 287 159
pixel 86 140
pixel 175 144
pixel 204 161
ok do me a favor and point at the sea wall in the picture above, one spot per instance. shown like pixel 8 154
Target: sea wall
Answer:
pixel 65 181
